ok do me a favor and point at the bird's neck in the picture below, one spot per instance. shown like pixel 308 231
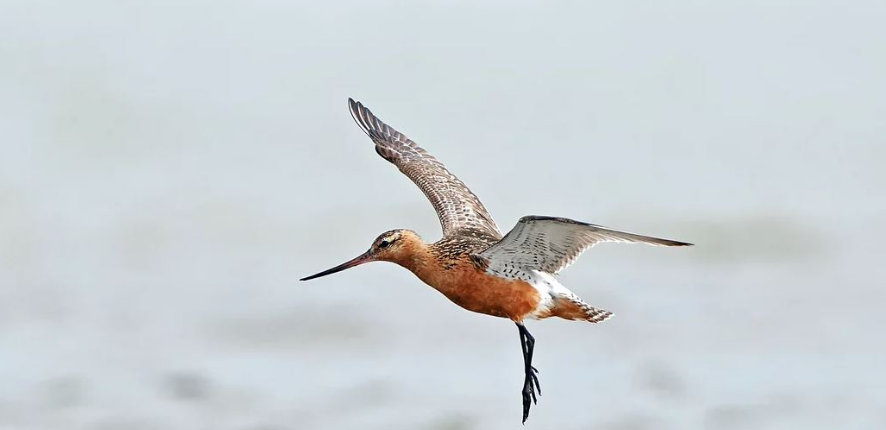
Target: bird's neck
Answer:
pixel 441 266
pixel 418 257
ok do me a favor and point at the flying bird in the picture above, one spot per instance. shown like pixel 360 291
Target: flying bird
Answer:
pixel 510 276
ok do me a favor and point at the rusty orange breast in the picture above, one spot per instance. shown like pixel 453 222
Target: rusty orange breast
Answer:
pixel 477 291
pixel 450 270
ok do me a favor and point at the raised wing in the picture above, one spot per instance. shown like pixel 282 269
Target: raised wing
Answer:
pixel 551 244
pixel 457 207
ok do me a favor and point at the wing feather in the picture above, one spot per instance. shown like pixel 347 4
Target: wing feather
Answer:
pixel 551 244
pixel 456 206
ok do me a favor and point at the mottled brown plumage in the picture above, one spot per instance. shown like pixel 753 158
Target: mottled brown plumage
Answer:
pixel 457 207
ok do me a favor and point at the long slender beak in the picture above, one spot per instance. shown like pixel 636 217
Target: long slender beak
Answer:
pixel 362 258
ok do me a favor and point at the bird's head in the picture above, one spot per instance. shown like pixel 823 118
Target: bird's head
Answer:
pixel 394 246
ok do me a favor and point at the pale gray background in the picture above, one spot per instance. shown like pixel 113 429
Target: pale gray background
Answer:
pixel 168 170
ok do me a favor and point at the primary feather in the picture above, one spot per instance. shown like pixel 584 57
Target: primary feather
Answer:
pixel 457 207
pixel 551 244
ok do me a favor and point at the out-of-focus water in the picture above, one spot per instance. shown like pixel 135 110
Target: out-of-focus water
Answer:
pixel 168 171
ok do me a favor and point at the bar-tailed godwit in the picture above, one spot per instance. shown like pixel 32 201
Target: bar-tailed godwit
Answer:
pixel 510 276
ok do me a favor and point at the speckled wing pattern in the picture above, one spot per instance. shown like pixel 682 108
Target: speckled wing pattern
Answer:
pixel 551 244
pixel 457 207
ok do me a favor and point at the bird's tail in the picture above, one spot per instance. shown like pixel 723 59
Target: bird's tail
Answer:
pixel 570 307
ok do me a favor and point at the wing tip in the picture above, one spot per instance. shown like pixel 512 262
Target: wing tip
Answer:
pixel 359 113
pixel 647 239
pixel 668 242
pixel 374 127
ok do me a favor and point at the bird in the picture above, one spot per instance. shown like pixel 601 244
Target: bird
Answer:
pixel 508 276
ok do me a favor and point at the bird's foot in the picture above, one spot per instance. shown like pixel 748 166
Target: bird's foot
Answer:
pixel 530 388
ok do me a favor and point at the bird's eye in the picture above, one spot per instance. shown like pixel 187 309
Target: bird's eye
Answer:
pixel 384 244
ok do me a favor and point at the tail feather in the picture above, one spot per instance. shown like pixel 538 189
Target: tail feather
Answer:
pixel 571 307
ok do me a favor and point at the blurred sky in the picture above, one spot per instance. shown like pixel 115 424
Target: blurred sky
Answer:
pixel 169 169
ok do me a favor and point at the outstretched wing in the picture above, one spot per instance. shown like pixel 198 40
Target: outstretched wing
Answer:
pixel 457 207
pixel 551 244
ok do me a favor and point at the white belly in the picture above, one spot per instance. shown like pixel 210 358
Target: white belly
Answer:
pixel 548 287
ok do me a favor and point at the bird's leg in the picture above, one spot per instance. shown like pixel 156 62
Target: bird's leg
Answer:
pixel 530 384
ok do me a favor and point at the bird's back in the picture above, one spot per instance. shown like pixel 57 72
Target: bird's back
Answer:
pixel 464 244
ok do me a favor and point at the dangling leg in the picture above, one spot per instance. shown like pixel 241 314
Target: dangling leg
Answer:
pixel 530 384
